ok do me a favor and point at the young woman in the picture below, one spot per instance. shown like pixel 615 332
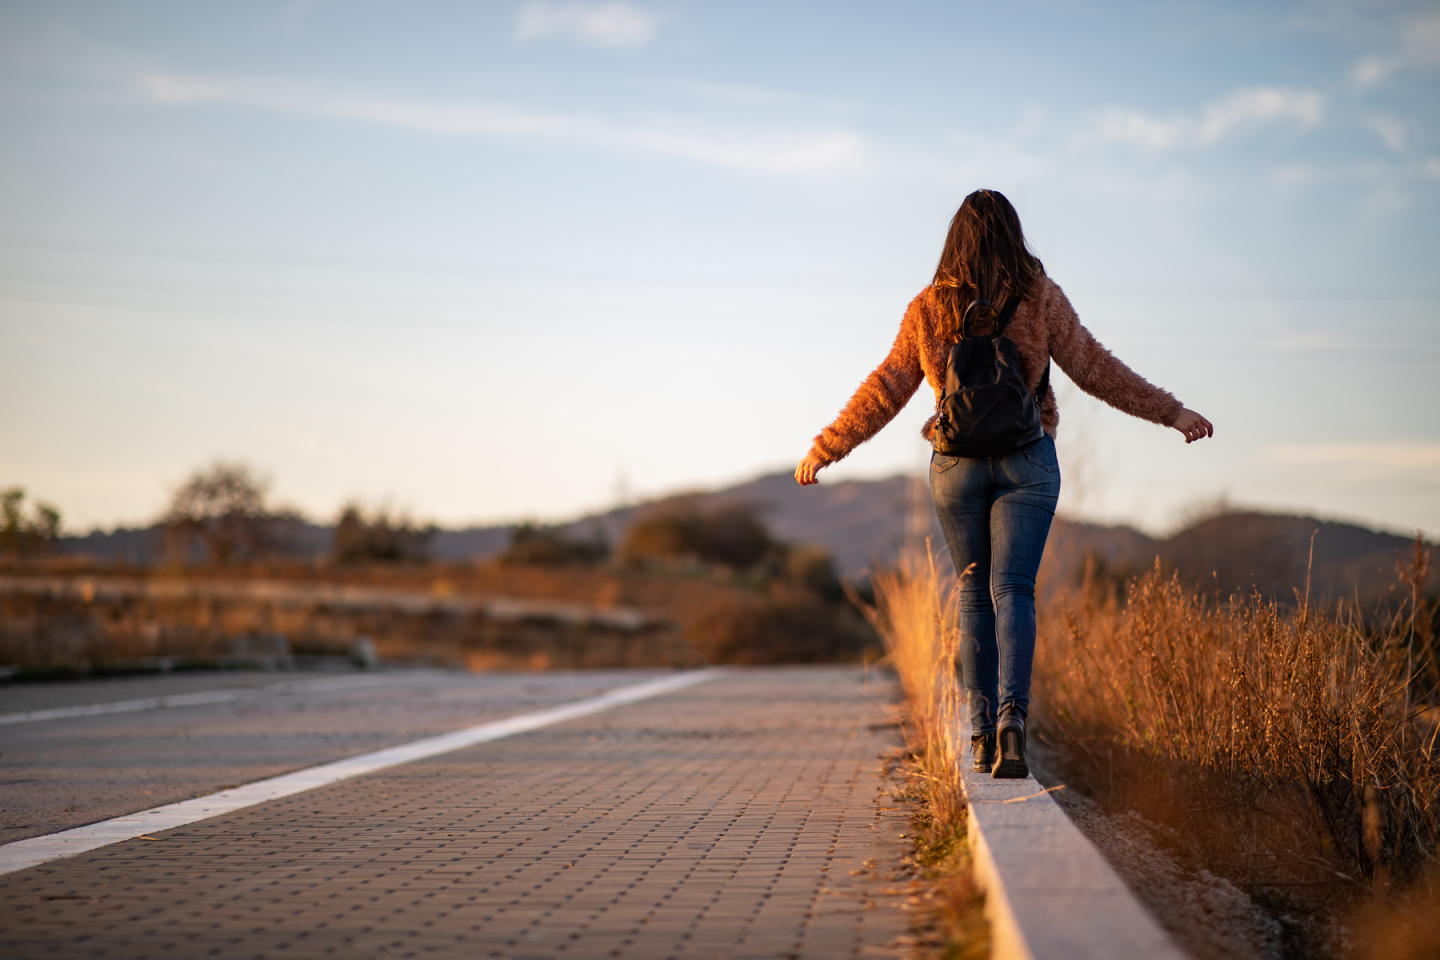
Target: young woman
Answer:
pixel 995 510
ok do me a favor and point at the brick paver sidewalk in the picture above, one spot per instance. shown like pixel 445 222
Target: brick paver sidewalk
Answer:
pixel 734 819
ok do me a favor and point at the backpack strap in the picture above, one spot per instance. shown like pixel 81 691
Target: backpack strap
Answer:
pixel 985 306
pixel 1006 315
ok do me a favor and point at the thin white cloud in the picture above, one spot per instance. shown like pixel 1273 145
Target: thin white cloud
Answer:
pixel 1248 109
pixel 1391 456
pixel 1419 44
pixel 1420 40
pixel 751 150
pixel 1391 132
pixel 1240 112
pixel 611 24
pixel 1132 126
pixel 1370 71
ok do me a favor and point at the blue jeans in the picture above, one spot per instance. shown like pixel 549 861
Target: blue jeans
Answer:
pixel 996 514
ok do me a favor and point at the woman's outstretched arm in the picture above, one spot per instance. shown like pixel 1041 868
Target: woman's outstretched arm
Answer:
pixel 883 395
pixel 1103 375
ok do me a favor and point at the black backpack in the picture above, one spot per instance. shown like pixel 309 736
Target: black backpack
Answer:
pixel 986 409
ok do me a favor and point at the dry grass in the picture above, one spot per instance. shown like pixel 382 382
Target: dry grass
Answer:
pixel 1291 749
pixel 914 615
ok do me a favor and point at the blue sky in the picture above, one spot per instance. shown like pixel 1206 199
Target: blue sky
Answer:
pixel 500 260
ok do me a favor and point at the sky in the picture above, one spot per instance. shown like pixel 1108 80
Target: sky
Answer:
pixel 493 261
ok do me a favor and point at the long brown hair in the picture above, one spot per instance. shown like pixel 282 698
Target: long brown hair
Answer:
pixel 985 258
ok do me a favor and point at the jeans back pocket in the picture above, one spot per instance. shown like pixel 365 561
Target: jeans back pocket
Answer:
pixel 1042 454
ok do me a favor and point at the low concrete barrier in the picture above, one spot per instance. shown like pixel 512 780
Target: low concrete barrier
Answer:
pixel 1049 892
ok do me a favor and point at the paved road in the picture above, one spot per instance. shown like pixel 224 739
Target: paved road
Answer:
pixel 63 773
pixel 741 818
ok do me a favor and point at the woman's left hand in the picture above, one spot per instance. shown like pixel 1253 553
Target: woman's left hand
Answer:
pixel 1194 426
pixel 805 473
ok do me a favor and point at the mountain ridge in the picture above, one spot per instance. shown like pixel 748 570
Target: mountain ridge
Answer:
pixel 863 522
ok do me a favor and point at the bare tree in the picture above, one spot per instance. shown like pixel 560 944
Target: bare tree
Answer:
pixel 223 508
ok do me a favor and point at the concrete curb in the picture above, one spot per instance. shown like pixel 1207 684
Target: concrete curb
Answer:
pixel 1049 892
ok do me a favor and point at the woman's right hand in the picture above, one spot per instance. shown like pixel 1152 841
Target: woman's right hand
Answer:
pixel 805 473
pixel 1194 426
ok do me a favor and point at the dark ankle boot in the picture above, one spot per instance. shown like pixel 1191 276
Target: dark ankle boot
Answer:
pixel 1010 763
pixel 982 745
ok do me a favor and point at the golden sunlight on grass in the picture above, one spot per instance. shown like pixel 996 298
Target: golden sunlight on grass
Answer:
pixel 915 616
pixel 1291 750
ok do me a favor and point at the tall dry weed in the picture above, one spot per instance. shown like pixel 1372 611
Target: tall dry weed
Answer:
pixel 914 615
pixel 1284 745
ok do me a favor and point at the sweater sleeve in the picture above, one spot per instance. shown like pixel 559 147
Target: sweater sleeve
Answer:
pixel 1099 372
pixel 883 394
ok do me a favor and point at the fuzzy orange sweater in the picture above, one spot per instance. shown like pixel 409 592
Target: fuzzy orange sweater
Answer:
pixel 1044 326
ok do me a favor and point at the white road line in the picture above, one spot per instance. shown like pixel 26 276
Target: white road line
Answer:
pixel 190 699
pixel 37 850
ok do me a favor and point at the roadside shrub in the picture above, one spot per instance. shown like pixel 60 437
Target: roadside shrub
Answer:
pixel 730 535
pixel 789 625
pixel 812 568
pixel 798 612
pixel 535 546
pixel 380 537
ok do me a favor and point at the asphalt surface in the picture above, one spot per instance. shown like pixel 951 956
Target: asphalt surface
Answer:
pixel 747 816
pixel 62 773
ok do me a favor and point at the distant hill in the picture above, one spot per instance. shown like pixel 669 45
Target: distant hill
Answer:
pixel 1241 550
pixel 1273 551
pixel 861 522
